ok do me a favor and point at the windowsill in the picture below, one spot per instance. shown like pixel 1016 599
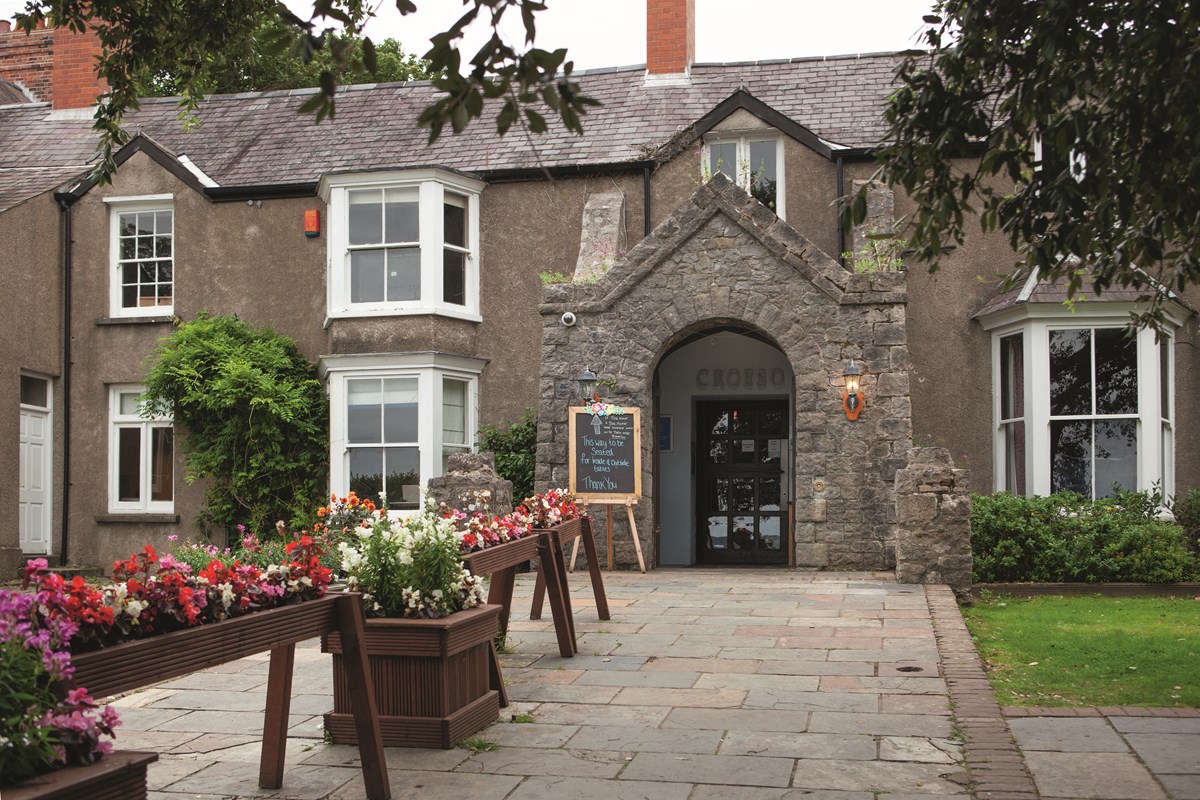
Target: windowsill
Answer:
pixel 156 320
pixel 414 311
pixel 148 519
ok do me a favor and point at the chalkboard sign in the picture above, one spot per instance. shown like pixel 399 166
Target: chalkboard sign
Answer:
pixel 606 454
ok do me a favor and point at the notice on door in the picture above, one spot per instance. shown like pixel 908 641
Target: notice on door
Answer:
pixel 606 454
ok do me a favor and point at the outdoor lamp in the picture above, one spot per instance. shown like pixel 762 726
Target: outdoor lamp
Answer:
pixel 587 385
pixel 852 399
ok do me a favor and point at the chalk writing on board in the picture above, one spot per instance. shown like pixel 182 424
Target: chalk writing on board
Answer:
pixel 605 454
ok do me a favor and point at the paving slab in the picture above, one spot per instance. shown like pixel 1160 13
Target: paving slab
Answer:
pixel 1066 735
pixel 724 770
pixel 799 745
pixel 1168 753
pixel 1103 776
pixel 874 776
pixel 540 788
pixel 539 761
pixel 645 740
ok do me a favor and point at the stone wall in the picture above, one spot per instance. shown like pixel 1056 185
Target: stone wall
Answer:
pixel 933 509
pixel 724 259
pixel 471 484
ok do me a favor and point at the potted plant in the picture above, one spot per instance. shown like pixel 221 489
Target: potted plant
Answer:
pixel 52 744
pixel 428 634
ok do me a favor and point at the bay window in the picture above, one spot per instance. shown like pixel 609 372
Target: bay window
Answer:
pixel 1082 402
pixel 395 419
pixel 403 243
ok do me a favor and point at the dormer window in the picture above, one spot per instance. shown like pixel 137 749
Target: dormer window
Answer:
pixel 753 161
pixel 403 243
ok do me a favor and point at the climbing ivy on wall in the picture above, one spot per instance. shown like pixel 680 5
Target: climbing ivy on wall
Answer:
pixel 253 418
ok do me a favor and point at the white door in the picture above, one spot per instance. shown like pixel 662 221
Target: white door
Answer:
pixel 34 515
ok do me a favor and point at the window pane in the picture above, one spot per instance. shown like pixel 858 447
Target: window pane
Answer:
pixel 763 173
pixel 162 222
pixel 1116 372
pixel 162 486
pixel 363 402
pixel 366 217
pixel 128 405
pixel 1071 456
pixel 403 476
pixel 35 392
pixel 742 536
pixel 1070 372
pixel 768 531
pixel 145 223
pixel 1014 457
pixel 773 422
pixel 366 276
pixel 454 277
pixel 366 472
pixel 1164 376
pixel 1116 455
pixel 454 411
pixel 401 217
pixel 722 157
pixel 769 494
pixel 129 465
pixel 1012 377
pixel 743 494
pixel 404 274
pixel 162 246
pixel 455 219
pixel 718 535
pixel 400 416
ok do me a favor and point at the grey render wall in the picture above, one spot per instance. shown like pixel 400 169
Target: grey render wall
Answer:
pixel 724 258
pixel 31 332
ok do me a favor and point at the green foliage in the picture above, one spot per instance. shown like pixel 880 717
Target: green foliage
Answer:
pixel 27 692
pixel 551 278
pixel 275 57
pixel 1086 138
pixel 254 419
pixel 515 448
pixel 1067 538
pixel 477 745
pixel 881 252
pixel 1089 651
pixel 1186 509
pixel 185 39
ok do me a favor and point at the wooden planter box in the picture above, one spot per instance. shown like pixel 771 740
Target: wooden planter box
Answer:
pixel 117 776
pixel 431 679
pixel 502 556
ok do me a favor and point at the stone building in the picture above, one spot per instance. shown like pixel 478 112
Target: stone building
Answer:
pixel 695 227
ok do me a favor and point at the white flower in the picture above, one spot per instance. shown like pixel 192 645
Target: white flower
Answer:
pixel 135 607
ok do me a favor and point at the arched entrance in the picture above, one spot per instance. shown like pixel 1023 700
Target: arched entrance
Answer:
pixel 724 401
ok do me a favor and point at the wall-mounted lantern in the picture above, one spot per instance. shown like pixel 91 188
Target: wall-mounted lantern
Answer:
pixel 852 399
pixel 587 386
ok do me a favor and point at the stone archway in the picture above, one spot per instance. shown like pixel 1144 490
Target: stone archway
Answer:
pixel 723 256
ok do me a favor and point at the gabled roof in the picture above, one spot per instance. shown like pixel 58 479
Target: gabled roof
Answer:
pixel 259 138
pixel 10 94
pixel 1037 291
pixel 142 143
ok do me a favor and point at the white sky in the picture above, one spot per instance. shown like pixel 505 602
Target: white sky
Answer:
pixel 609 33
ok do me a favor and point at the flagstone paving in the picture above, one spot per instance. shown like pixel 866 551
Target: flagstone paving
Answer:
pixel 707 684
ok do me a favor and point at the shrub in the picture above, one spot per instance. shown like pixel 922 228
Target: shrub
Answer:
pixel 515 448
pixel 1186 509
pixel 1066 537
pixel 254 416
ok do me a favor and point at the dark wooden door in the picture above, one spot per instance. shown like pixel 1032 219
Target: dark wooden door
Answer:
pixel 741 510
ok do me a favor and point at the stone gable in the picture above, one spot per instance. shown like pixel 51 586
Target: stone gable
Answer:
pixel 723 259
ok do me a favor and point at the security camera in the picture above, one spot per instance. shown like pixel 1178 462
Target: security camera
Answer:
pixel 568 319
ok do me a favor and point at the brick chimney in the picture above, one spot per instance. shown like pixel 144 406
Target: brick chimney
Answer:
pixel 670 41
pixel 55 65
pixel 75 82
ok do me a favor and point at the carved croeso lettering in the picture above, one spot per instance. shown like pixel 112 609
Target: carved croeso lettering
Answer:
pixel 740 377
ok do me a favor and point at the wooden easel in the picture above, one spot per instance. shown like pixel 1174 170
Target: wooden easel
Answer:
pixel 608 503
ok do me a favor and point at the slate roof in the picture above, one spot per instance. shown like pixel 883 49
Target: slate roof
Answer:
pixel 11 93
pixel 1039 291
pixel 258 139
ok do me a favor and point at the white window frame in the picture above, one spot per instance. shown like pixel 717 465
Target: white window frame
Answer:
pixel 430 369
pixel 743 139
pixel 123 205
pixel 431 186
pixel 1036 323
pixel 118 421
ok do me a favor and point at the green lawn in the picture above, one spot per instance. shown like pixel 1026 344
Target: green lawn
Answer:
pixel 1090 651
